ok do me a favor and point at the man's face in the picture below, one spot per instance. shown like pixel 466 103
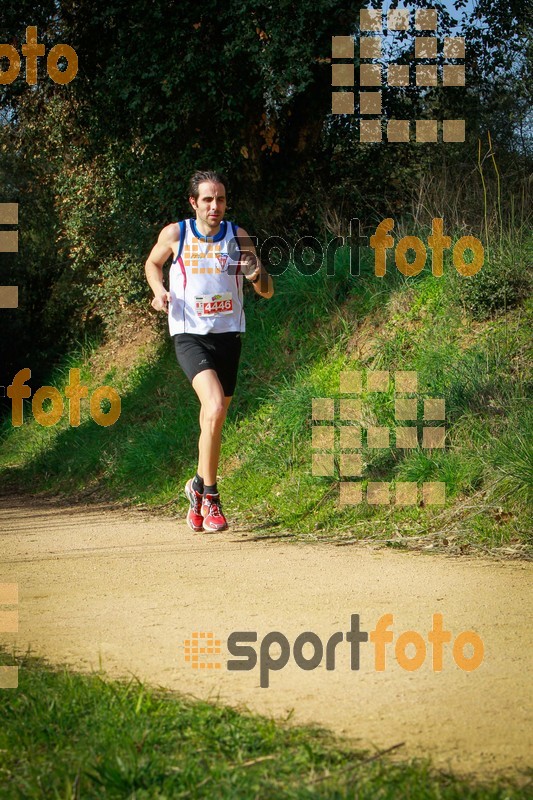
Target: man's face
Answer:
pixel 210 206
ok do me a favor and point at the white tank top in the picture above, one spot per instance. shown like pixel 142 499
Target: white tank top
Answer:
pixel 206 282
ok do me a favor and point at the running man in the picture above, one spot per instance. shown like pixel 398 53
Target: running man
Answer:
pixel 210 258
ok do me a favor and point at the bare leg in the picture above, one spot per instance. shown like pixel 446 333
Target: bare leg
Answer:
pixel 213 409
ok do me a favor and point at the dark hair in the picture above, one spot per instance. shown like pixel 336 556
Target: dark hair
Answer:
pixel 200 177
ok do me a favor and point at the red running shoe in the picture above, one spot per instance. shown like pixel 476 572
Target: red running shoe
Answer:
pixel 195 519
pixel 214 519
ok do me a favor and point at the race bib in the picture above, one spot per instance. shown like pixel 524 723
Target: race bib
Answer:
pixel 213 305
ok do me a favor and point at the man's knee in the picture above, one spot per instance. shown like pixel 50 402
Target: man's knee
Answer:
pixel 213 413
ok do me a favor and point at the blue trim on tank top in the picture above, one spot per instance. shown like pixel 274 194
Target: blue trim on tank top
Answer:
pixel 182 240
pixel 219 236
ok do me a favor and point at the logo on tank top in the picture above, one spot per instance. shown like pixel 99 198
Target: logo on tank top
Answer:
pixel 222 259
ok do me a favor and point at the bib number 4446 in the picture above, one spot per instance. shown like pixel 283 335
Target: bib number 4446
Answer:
pixel 210 305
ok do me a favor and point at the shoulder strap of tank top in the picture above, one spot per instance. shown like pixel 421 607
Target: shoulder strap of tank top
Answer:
pixel 234 228
pixel 182 225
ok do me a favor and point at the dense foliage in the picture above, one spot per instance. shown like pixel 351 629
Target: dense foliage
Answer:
pixel 100 164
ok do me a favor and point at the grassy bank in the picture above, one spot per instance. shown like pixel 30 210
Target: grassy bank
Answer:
pixel 468 339
pixel 66 735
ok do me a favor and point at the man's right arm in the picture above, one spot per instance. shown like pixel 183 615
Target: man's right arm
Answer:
pixel 161 251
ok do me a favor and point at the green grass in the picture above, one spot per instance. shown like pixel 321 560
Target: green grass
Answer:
pixel 295 346
pixel 66 736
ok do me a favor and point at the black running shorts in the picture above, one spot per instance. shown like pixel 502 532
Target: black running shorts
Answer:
pixel 219 351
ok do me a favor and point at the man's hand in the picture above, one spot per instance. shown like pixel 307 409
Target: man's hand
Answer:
pixel 249 264
pixel 161 301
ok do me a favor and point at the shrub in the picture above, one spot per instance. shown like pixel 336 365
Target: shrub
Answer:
pixel 504 281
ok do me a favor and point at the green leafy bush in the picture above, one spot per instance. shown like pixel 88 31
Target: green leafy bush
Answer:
pixel 503 282
pixel 117 283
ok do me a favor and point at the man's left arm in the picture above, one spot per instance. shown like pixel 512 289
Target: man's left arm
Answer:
pixel 251 266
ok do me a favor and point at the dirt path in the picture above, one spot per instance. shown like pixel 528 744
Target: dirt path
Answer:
pixel 123 591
